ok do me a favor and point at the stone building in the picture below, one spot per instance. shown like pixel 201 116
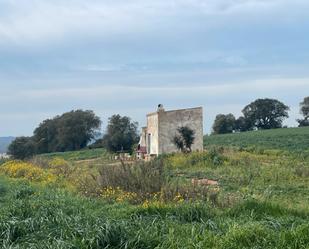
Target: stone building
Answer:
pixel 157 137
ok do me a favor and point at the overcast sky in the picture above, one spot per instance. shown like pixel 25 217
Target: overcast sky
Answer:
pixel 127 56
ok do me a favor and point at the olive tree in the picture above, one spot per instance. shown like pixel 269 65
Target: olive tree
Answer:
pixel 184 139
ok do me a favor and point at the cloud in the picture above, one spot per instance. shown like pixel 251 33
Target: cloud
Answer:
pixel 127 56
pixel 29 107
pixel 255 87
pixel 34 21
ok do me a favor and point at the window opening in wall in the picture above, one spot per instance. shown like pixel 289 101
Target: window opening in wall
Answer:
pixel 149 144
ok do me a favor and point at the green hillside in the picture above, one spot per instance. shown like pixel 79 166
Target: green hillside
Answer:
pixel 86 154
pixel 292 139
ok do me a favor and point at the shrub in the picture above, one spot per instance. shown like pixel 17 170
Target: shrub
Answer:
pixel 118 195
pixel 60 167
pixel 141 177
pixel 40 161
pixel 18 169
pixel 147 181
pixel 216 156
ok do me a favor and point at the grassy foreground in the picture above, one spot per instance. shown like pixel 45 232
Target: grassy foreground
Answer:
pixel 86 200
pixel 43 217
pixel 290 139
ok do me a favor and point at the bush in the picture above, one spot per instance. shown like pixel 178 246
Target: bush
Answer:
pixel 22 148
pixel 141 177
pixel 150 182
pixel 216 156
pixel 60 167
pixel 18 169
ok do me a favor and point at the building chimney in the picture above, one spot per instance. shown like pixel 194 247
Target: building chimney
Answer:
pixel 160 108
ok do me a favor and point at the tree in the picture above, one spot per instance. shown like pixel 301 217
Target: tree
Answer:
pixel 241 124
pixel 177 140
pixel 305 107
pixel 45 136
pixel 304 110
pixel 21 148
pixel 70 131
pixel 76 129
pixel 303 122
pixel 224 124
pixel 265 114
pixel 121 134
pixel 184 139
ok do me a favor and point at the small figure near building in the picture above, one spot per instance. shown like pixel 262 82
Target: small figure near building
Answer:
pixel 157 137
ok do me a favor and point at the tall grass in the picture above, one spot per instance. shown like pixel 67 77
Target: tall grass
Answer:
pixel 261 201
pixel 140 177
pixel 33 217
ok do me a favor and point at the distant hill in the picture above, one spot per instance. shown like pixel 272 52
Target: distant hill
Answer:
pixel 4 143
pixel 292 139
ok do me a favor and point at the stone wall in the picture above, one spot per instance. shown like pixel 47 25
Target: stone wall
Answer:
pixel 152 133
pixel 169 121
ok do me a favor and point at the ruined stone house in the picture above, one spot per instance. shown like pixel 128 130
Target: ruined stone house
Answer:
pixel 157 137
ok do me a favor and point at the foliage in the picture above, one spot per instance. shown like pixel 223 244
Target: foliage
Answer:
pixel 242 124
pixel 70 131
pixel 121 134
pixel 303 122
pixel 22 147
pixel 74 222
pixel 18 169
pixel 143 178
pixel 261 200
pixel 60 167
pixel 304 107
pixel 177 140
pixel 304 110
pixel 45 136
pixel 266 113
pixel 185 139
pixel 224 124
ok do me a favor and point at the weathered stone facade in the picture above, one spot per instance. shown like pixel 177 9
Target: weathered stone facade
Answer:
pixel 162 127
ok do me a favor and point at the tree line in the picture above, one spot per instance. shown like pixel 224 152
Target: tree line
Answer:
pixel 76 130
pixel 260 114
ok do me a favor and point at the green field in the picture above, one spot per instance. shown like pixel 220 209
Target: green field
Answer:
pixel 40 217
pixel 86 154
pixel 86 200
pixel 290 139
